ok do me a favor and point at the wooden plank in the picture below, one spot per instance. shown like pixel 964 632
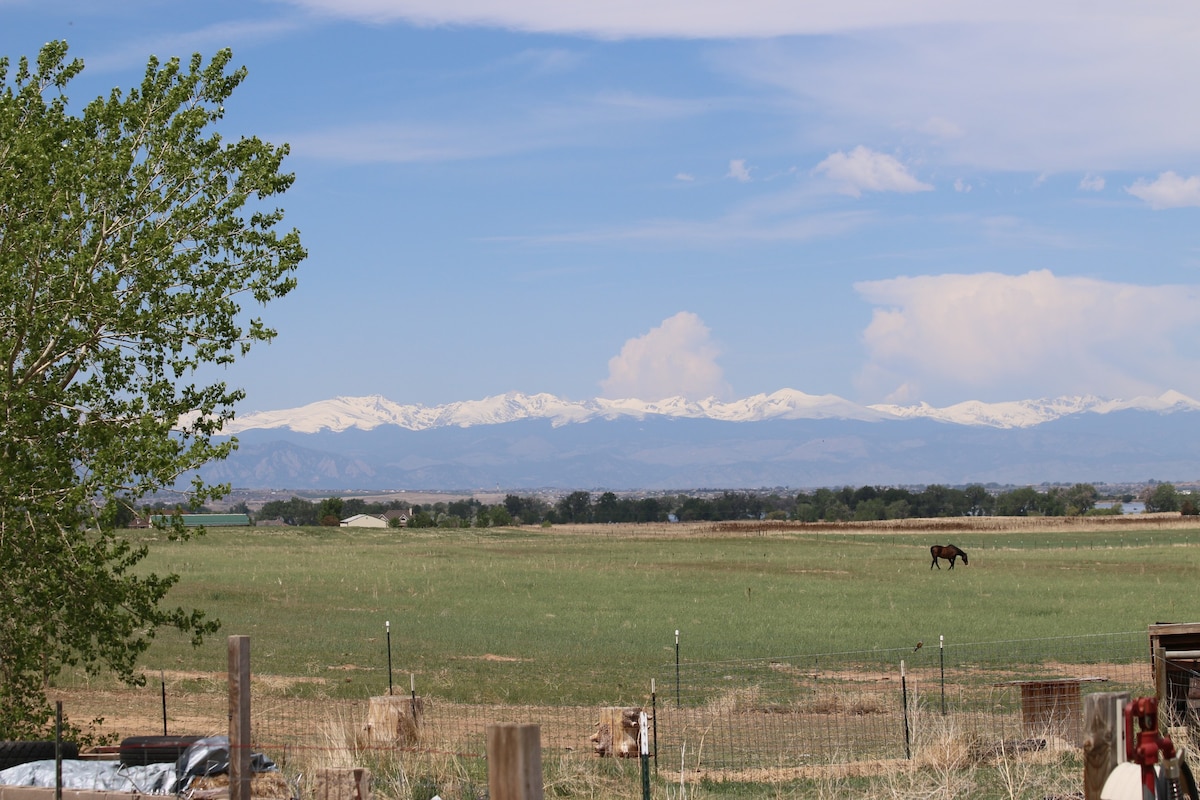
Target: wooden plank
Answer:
pixel 1103 713
pixel 239 718
pixel 514 762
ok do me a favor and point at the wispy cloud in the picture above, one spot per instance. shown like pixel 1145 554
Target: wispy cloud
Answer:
pixel 600 120
pixel 1168 190
pixel 205 40
pixel 676 359
pixel 864 170
pixel 732 229
pixel 1095 89
pixel 738 171
pixel 618 19
pixel 1002 336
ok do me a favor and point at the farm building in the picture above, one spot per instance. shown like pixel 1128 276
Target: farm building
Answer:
pixel 364 521
pixel 206 520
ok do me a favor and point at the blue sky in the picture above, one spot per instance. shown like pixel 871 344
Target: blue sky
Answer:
pixel 892 202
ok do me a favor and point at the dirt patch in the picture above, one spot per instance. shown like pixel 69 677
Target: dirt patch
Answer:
pixel 491 657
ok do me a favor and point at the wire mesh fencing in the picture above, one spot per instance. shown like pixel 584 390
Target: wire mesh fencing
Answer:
pixel 746 714
pixel 833 708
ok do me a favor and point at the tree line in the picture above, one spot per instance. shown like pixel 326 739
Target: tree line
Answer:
pixel 864 504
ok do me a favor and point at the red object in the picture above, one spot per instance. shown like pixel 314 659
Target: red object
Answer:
pixel 1149 744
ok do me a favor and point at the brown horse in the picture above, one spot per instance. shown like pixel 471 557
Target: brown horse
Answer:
pixel 948 552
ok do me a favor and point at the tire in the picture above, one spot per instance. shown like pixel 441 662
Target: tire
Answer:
pixel 138 751
pixel 14 754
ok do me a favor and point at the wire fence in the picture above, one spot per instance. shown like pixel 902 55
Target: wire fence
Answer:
pixel 746 714
pixel 852 706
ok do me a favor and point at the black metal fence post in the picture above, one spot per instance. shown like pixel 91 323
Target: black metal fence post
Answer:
pixel 677 667
pixel 904 701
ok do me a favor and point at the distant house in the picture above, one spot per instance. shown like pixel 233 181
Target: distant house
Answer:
pixel 364 521
pixel 397 514
pixel 206 520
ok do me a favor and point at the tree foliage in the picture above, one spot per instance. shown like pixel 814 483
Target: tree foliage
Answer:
pixel 1161 497
pixel 130 235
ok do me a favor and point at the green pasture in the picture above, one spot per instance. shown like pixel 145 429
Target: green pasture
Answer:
pixel 563 617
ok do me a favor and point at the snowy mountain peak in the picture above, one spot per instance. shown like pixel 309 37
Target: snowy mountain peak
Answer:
pixel 365 413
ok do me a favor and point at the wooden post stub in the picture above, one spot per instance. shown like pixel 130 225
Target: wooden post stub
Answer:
pixel 239 718
pixel 1104 720
pixel 514 762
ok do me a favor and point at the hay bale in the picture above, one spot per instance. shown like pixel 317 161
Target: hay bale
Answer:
pixel 394 720
pixel 617 732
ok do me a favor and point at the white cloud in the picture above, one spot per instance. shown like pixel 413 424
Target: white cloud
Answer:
pixel 1167 191
pixel 748 19
pixel 1097 85
pixel 738 170
pixel 685 177
pixel 676 359
pixel 942 129
pixel 1009 336
pixel 1095 88
pixel 615 19
pixel 1092 183
pixel 587 120
pixel 864 169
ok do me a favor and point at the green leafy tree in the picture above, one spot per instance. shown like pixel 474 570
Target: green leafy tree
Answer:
pixel 575 507
pixel 296 511
pixel 421 519
pixel 1018 503
pixel 1161 497
pixel 331 511
pixel 130 236
pixel 1080 499
pixel 608 508
pixel 979 501
pixel 500 517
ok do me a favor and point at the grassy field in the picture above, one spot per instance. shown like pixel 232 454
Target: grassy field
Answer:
pixel 587 615
pixel 569 618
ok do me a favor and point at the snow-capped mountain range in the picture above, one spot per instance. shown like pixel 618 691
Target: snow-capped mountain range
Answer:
pixel 787 438
pixel 367 413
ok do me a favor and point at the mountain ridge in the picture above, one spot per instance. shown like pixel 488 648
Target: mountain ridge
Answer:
pixel 343 413
pixel 786 438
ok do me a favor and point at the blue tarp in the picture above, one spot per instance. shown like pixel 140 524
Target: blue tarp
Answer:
pixel 209 756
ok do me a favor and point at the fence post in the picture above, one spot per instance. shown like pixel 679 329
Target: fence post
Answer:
pixel 1103 745
pixel 904 702
pixel 1160 676
pixel 239 718
pixel 654 719
pixel 514 762
pixel 677 668
pixel 942 661
pixel 644 751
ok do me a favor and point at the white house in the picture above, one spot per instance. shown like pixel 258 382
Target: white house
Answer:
pixel 364 521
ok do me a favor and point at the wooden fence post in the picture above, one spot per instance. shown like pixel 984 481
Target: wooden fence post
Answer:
pixel 239 718
pixel 514 762
pixel 1103 743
